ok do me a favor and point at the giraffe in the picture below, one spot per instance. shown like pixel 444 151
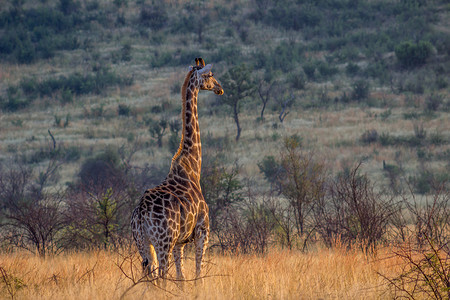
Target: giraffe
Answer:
pixel 175 213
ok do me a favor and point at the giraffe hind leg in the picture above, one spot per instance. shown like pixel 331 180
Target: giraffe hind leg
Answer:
pixel 178 258
pixel 201 241
pixel 147 252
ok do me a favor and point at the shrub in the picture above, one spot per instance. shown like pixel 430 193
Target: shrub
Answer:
pixel 14 100
pixel 423 182
pixel 352 69
pixel 68 6
pixel 369 136
pixel 310 69
pixel 154 16
pixel 386 139
pixel 297 80
pixel 325 70
pixel 360 90
pixel 354 211
pixel 123 110
pixel 273 171
pixel 412 55
pixel 126 52
pixel 433 102
pixel 100 170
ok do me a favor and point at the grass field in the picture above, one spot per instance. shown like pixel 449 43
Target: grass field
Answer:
pixel 281 274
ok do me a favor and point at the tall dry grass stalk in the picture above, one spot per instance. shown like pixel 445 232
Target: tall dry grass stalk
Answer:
pixel 281 274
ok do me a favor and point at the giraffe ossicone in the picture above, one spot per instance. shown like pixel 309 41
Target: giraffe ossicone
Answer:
pixel 175 213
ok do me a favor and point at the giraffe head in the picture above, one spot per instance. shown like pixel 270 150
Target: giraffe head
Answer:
pixel 206 77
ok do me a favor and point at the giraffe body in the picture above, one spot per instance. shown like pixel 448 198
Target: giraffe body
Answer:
pixel 175 213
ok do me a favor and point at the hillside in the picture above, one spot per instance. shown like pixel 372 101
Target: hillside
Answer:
pixel 82 61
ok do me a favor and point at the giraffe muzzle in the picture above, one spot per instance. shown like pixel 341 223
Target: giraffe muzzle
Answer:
pixel 218 91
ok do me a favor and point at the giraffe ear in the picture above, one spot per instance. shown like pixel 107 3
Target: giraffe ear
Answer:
pixel 206 69
pixel 190 68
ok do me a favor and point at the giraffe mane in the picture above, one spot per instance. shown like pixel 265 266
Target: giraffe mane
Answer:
pixel 183 113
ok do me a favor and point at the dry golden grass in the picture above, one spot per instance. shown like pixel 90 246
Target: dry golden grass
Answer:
pixel 281 274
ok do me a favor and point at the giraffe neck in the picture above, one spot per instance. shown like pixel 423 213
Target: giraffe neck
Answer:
pixel 189 154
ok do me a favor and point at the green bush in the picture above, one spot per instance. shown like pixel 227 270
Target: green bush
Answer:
pixel 360 90
pixel 14 100
pixel 125 52
pixel 413 54
pixel 297 80
pixel 123 109
pixel 369 136
pixel 325 70
pixel 352 69
pixel 154 16
pixel 310 68
pixel 386 139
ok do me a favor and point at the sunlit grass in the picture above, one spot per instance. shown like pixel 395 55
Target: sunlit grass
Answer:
pixel 281 274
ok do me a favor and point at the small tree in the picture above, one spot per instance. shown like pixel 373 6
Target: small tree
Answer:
pixel 157 130
pixel 174 139
pixel 265 90
pixel 424 249
pixel 285 103
pixel 238 85
pixel 273 172
pixel 360 90
pixel 221 188
pixel 304 182
pixel 32 219
pixel 353 211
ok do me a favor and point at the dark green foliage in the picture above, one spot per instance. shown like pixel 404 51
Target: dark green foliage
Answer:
pixel 297 80
pixel 310 70
pixel 157 130
pixel 285 56
pixel 433 102
pixel 100 170
pixel 14 100
pixel 352 69
pixel 221 188
pixel 229 53
pixel 125 52
pixel 68 6
pixel 64 86
pixel 153 16
pixel 238 84
pixel 413 54
pixel 66 96
pixel 123 110
pixel 75 83
pixel 289 15
pixel 72 154
pixel 360 90
pixel 273 171
pixel 36 33
pixel 161 59
pixel 325 70
pixel 423 182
